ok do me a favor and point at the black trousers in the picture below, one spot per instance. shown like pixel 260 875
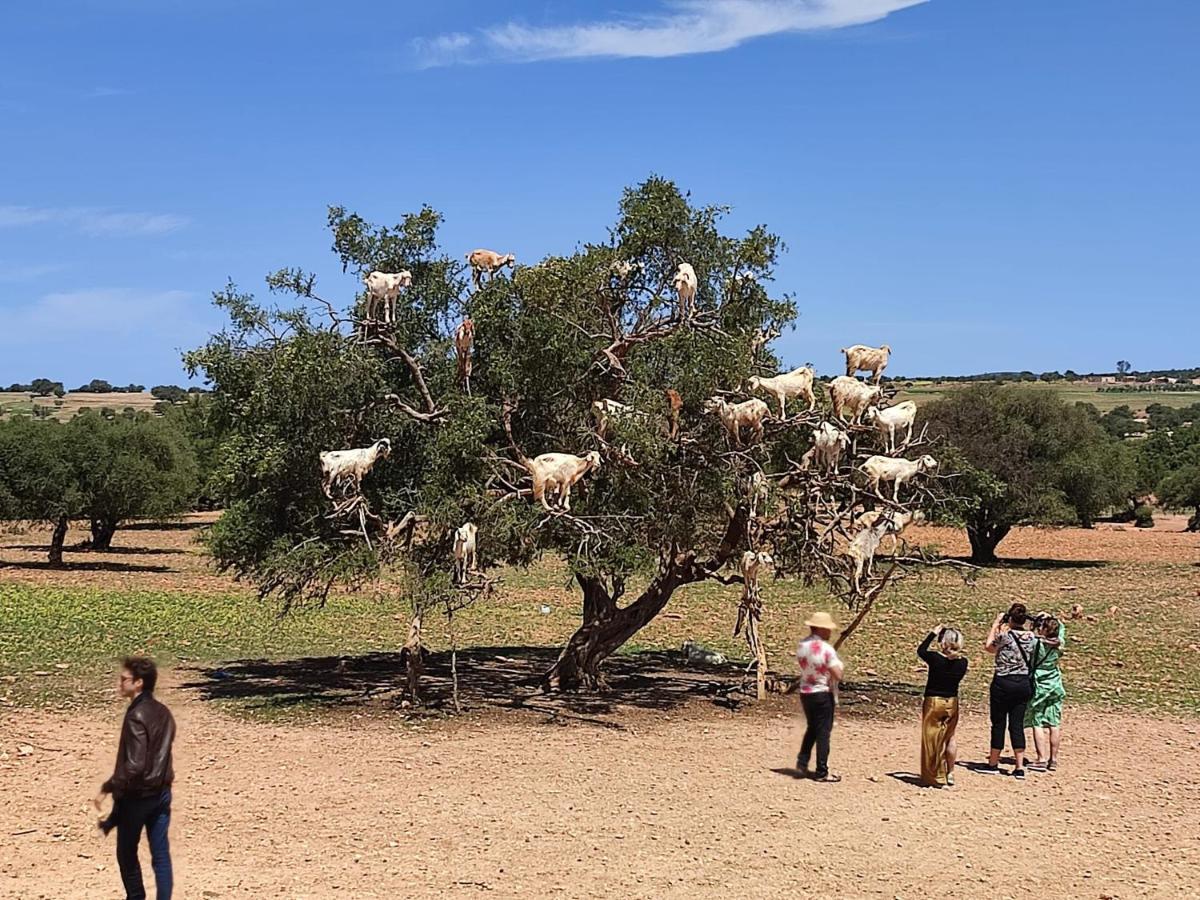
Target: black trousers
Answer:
pixel 818 711
pixel 1007 699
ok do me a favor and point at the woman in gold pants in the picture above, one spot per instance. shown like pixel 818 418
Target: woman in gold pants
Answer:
pixel 939 714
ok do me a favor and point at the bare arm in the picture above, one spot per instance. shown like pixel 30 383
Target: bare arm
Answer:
pixel 994 635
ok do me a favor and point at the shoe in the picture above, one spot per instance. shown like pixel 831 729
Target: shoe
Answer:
pixel 988 770
pixel 828 778
pixel 1052 766
pixel 949 779
pixel 1036 766
pixel 1019 773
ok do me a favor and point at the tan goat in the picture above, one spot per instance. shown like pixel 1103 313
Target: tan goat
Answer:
pixel 861 358
pixel 796 383
pixel 488 262
pixel 850 398
pixel 736 416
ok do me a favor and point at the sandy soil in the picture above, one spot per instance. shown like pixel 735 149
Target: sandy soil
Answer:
pixel 698 803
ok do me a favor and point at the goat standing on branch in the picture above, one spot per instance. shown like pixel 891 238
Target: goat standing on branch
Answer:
pixel 750 614
pixel 892 419
pixel 464 342
pixel 674 407
pixel 556 473
pixel 850 398
pixel 736 416
pixel 897 471
pixel 829 443
pixel 796 383
pixel 861 358
pixel 382 289
pixel 488 262
pixel 347 468
pixel 686 284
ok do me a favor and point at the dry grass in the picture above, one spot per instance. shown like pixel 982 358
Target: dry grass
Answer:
pixel 66 407
pixel 928 391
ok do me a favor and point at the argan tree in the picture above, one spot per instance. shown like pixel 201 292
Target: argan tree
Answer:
pixel 669 505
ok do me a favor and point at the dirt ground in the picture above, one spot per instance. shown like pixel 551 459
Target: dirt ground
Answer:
pixel 697 803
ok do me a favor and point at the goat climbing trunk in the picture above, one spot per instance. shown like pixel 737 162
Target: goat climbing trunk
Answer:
pixel 605 628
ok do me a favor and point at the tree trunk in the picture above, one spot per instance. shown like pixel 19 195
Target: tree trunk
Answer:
pixel 605 628
pixel 984 538
pixel 103 530
pixel 1194 522
pixel 56 542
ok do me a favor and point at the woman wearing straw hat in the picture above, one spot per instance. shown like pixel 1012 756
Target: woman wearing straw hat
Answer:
pixel 820 672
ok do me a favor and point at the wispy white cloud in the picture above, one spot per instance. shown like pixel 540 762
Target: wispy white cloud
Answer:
pixel 679 28
pixel 93 221
pixel 98 311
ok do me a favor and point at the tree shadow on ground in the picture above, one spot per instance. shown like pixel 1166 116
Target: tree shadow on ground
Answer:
pixel 164 526
pixel 43 565
pixel 87 548
pixel 490 678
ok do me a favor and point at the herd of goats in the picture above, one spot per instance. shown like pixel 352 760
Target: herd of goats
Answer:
pixel 856 406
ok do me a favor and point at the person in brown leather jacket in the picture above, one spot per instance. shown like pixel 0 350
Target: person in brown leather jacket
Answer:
pixel 141 782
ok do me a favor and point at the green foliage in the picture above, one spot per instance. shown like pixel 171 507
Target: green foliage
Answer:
pixel 1026 456
pixel 172 393
pixel 103 469
pixel 1143 517
pixel 549 340
pixel 1181 490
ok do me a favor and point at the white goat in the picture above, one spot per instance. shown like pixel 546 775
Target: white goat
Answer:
pixel 897 471
pixel 488 262
pixel 556 474
pixel 895 522
pixel 850 397
pixel 861 358
pixel 796 383
pixel 757 492
pixel 686 284
pixel 735 416
pixel 464 551
pixel 383 288
pixel 829 443
pixel 861 550
pixel 892 419
pixel 350 466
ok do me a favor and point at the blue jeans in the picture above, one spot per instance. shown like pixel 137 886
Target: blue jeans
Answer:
pixel 154 814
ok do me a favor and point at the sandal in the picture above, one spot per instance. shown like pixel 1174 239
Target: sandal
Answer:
pixel 1052 766
pixel 829 778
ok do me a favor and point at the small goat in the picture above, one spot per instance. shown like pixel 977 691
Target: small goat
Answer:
pixel 861 358
pixel 556 474
pixel 735 416
pixel 488 262
pixel 686 284
pixel 674 407
pixel 894 522
pixel 383 288
pixel 897 471
pixel 465 559
pixel 349 467
pixel 464 343
pixel 796 383
pixel 892 419
pixel 757 492
pixel 850 398
pixel 861 551
pixel 829 443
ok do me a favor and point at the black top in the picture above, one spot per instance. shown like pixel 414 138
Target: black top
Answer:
pixel 944 673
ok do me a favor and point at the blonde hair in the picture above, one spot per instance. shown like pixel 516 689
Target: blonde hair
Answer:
pixel 951 642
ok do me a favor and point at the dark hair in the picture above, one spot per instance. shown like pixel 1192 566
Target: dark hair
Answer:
pixel 142 668
pixel 1017 614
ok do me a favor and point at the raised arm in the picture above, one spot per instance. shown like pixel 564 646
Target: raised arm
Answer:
pixel 994 634
pixel 923 650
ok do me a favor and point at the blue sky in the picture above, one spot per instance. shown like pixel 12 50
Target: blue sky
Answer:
pixel 982 185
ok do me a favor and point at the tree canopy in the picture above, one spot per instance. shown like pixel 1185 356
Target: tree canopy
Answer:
pixel 668 504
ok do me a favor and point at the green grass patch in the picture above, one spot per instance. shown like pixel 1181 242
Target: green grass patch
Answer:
pixel 1136 647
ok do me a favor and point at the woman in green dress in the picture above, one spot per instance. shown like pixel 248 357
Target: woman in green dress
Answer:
pixel 1044 713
